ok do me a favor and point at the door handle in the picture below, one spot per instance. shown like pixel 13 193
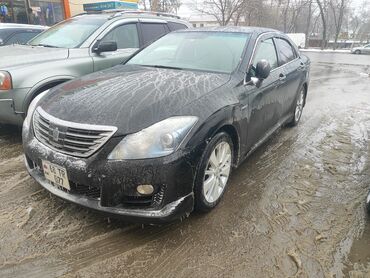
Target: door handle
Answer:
pixel 282 76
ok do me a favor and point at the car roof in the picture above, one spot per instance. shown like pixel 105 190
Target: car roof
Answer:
pixel 236 29
pixel 21 26
pixel 118 14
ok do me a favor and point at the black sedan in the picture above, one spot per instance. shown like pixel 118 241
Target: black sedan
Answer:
pixel 158 137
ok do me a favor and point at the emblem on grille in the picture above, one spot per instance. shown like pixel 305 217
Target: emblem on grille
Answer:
pixel 56 134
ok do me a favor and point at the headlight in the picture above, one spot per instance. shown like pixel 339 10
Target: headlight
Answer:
pixel 32 108
pixel 160 139
pixel 5 81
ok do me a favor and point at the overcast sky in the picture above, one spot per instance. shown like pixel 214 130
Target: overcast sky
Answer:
pixel 187 7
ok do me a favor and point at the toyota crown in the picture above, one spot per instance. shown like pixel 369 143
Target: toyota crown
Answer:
pixel 153 139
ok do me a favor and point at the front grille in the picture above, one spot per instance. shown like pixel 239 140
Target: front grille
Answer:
pixel 81 140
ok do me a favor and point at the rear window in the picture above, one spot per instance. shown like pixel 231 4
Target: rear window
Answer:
pixel 176 26
pixel 4 34
pixel 21 37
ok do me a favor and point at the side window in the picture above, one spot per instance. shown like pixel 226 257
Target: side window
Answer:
pixel 286 51
pixel 21 38
pixel 176 26
pixel 152 31
pixel 125 36
pixel 266 50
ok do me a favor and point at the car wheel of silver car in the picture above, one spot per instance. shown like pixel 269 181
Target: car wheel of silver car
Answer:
pixel 358 51
pixel 214 172
pixel 298 107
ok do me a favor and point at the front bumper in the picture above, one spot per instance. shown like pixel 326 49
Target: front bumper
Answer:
pixel 11 103
pixel 167 213
pixel 115 182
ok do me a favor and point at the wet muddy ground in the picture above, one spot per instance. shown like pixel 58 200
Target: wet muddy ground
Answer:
pixel 294 208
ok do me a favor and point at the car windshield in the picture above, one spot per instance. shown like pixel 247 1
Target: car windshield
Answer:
pixel 70 33
pixel 205 51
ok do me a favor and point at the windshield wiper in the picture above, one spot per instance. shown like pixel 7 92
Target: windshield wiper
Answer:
pixel 46 45
pixel 163 67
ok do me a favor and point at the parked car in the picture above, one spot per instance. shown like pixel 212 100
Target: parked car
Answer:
pixel 18 33
pixel 361 49
pixel 73 48
pixel 153 139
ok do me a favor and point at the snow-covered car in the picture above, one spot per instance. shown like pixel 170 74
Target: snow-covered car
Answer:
pixel 361 49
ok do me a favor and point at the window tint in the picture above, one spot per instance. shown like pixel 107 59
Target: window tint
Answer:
pixel 125 36
pixel 4 34
pixel 176 26
pixel 286 51
pixel 152 31
pixel 21 38
pixel 266 50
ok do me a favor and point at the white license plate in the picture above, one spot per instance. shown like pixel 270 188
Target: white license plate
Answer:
pixel 56 174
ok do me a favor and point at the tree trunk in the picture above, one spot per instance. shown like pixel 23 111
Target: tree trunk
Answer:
pixel 324 27
pixel 307 31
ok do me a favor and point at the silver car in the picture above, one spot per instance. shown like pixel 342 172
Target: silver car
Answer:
pixel 361 49
pixel 80 45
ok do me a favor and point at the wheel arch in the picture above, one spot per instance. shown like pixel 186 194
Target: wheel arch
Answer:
pixel 41 87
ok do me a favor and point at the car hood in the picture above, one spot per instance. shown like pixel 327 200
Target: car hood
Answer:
pixel 20 55
pixel 129 97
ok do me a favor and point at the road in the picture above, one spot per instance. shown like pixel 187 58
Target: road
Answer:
pixel 294 208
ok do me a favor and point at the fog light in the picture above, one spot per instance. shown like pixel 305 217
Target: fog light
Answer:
pixel 145 189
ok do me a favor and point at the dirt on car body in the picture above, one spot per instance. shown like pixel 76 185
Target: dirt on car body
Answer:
pixel 294 208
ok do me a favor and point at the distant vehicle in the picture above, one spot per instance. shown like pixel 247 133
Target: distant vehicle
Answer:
pixel 18 33
pixel 361 49
pixel 77 46
pixel 299 39
pixel 157 137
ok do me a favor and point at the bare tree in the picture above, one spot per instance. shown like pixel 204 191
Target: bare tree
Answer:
pixel 222 10
pixel 324 23
pixel 338 8
pixel 168 6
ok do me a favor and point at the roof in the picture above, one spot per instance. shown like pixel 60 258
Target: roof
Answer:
pixel 238 29
pixel 21 26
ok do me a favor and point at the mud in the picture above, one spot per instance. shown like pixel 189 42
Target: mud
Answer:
pixel 295 208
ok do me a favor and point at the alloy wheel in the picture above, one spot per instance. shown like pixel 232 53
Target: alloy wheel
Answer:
pixel 217 172
pixel 299 106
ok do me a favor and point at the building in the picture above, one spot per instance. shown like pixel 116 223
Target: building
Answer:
pixel 49 12
pixel 43 12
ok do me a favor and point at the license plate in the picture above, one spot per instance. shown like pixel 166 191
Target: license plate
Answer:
pixel 56 174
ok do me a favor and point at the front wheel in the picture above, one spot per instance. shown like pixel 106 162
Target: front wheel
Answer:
pixel 298 107
pixel 357 52
pixel 214 171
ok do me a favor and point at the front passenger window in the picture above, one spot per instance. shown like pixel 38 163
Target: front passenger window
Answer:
pixel 125 36
pixel 266 50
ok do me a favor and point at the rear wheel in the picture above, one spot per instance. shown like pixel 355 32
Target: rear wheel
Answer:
pixel 298 107
pixel 214 171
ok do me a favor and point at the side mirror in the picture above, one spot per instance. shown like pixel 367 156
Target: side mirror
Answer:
pixel 100 47
pixel 263 69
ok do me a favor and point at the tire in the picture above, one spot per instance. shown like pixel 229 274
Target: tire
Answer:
pixel 298 109
pixel 358 52
pixel 207 193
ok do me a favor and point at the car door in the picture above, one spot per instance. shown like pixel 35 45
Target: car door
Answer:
pixel 367 49
pixel 127 38
pixel 262 98
pixel 289 75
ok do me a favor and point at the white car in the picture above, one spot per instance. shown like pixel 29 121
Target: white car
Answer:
pixel 361 49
